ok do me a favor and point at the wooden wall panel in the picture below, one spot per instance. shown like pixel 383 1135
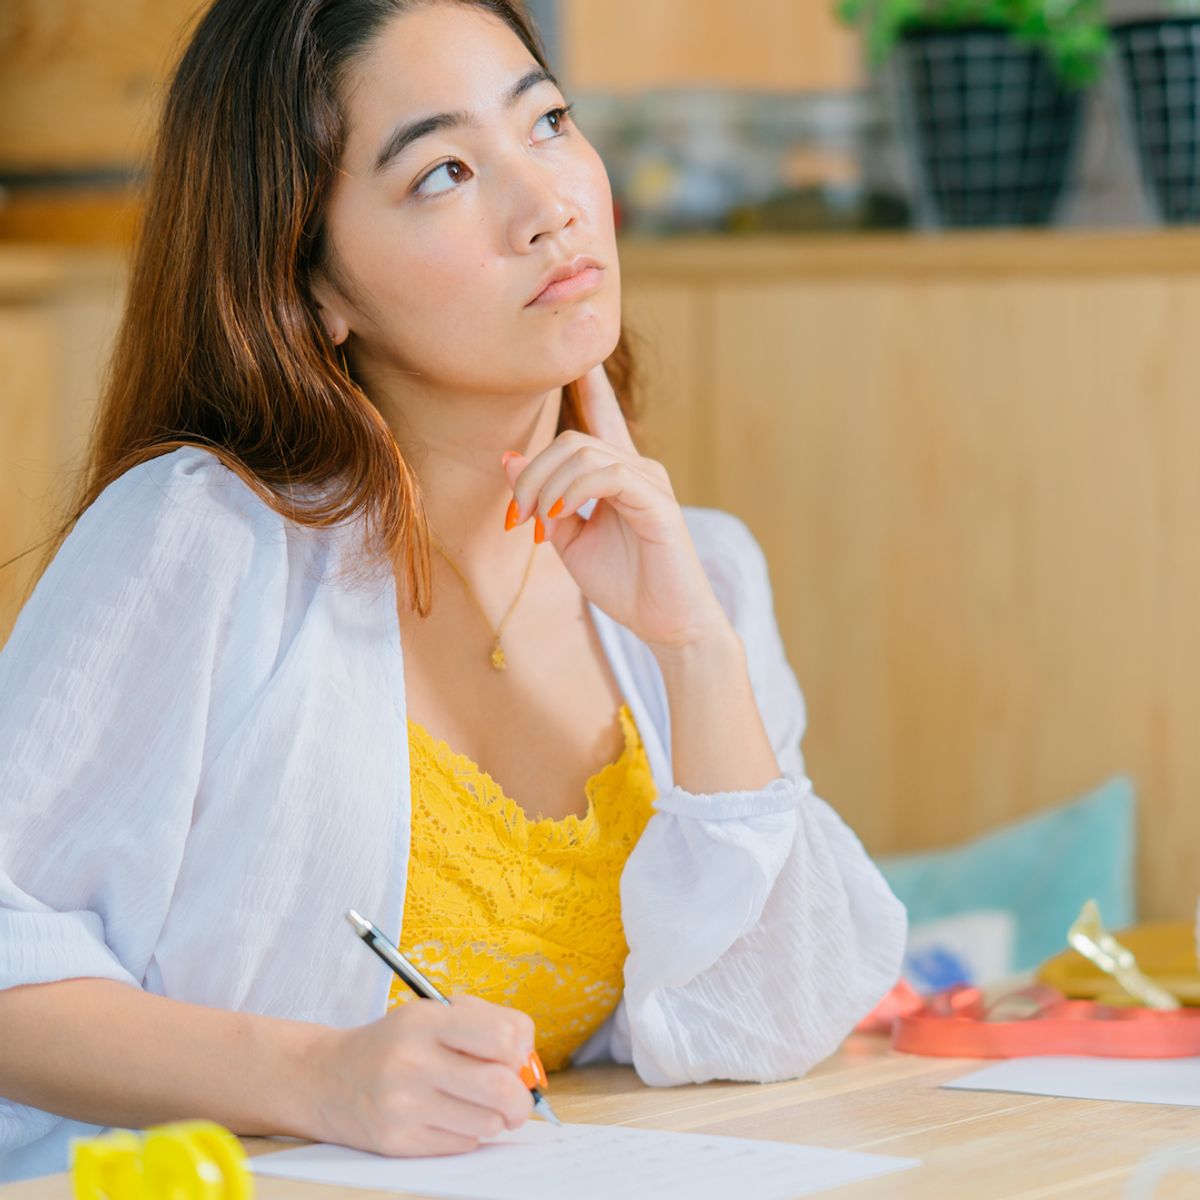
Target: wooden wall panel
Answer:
pixel 27 450
pixel 58 313
pixel 629 45
pixel 981 504
pixel 80 80
pixel 675 425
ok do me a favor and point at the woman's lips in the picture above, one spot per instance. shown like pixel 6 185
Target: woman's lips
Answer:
pixel 586 280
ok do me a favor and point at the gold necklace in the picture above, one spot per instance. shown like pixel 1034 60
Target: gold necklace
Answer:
pixel 498 659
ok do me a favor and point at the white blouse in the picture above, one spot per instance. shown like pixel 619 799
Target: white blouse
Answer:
pixel 204 764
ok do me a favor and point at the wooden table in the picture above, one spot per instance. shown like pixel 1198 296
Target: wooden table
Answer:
pixel 973 1145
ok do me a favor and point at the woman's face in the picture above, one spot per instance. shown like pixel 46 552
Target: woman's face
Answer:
pixel 464 188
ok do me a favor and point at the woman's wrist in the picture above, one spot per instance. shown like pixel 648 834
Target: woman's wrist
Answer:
pixel 707 655
pixel 307 1091
pixel 718 741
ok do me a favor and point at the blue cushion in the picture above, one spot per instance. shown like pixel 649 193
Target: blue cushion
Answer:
pixel 1041 869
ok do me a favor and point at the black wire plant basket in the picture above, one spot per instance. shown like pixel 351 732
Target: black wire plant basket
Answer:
pixel 993 130
pixel 1161 66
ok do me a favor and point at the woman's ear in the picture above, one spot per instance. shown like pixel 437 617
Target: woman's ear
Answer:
pixel 331 307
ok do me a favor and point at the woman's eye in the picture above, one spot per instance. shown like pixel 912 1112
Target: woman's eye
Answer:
pixel 442 178
pixel 448 175
pixel 555 121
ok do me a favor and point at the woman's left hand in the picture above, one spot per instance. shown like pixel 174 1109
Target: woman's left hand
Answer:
pixel 634 557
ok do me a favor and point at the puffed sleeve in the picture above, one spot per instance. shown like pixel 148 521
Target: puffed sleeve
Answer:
pixel 759 931
pixel 107 713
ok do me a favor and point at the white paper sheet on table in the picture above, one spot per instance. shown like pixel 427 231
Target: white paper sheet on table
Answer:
pixel 1138 1080
pixel 593 1162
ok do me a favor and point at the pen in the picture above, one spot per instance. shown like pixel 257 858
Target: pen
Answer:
pixel 533 1074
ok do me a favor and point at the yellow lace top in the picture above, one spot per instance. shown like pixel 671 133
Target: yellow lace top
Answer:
pixel 522 912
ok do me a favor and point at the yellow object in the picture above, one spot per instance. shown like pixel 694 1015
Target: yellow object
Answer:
pixel 1089 936
pixel 186 1160
pixel 525 913
pixel 1165 952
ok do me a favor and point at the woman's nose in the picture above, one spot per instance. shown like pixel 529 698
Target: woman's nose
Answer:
pixel 541 207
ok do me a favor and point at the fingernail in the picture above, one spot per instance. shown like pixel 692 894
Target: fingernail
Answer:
pixel 539 531
pixel 510 517
pixel 506 456
pixel 555 508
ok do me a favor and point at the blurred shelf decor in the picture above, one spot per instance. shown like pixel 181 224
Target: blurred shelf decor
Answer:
pixel 990 96
pixel 721 160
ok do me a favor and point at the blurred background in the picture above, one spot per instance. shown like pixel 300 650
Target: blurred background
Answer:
pixel 917 299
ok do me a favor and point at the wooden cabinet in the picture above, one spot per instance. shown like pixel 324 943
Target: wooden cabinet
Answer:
pixel 972 463
pixel 763 45
pixel 58 312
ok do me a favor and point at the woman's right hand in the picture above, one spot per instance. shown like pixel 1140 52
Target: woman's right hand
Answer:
pixel 426 1079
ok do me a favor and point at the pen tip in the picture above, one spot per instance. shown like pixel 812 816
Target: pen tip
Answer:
pixel 360 926
pixel 542 1108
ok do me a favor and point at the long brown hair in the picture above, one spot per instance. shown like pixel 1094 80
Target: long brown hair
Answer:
pixel 220 345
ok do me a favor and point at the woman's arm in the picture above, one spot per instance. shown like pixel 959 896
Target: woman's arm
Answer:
pixel 718 741
pixel 759 930
pixel 426 1079
pixel 129 667
pixel 110 1054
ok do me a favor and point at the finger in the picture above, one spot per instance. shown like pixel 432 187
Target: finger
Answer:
pixel 552 500
pixel 514 464
pixel 632 495
pixel 602 410
pixel 492 1086
pixel 487 1031
pixel 527 476
pixel 429 1142
pixel 461 1117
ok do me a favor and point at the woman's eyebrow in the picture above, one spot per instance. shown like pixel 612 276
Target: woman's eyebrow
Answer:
pixel 403 136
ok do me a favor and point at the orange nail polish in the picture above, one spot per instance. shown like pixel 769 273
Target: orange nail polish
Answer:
pixel 539 531
pixel 510 517
pixel 506 456
pixel 555 508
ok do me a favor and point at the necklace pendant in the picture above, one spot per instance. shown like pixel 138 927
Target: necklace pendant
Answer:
pixel 498 659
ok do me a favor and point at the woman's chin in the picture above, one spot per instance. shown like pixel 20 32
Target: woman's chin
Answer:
pixel 579 349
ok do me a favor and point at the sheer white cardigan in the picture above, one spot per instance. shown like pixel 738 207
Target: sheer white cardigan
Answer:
pixel 204 764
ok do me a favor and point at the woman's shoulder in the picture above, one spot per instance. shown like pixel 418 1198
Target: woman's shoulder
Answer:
pixel 189 485
pixel 172 524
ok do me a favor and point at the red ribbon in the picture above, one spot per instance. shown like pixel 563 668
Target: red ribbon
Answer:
pixel 1040 1020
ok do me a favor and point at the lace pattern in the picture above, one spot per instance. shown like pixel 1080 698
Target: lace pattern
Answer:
pixel 522 912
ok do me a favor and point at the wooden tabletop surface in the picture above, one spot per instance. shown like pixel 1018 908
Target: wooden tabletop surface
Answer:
pixel 973 1145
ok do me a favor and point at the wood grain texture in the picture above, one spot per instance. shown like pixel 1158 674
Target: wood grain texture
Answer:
pixel 80 80
pixel 58 312
pixel 977 491
pixel 765 45
pixel 26 447
pixel 981 1145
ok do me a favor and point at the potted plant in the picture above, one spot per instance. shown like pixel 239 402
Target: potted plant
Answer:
pixel 1160 61
pixel 991 98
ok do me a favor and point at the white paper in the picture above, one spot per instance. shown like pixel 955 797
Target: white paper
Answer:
pixel 1137 1080
pixel 593 1162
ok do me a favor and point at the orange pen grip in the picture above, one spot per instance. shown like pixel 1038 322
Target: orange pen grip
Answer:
pixel 533 1074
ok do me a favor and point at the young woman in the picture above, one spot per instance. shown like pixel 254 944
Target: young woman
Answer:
pixel 364 518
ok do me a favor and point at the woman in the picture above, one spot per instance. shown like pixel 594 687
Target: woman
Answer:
pixel 374 298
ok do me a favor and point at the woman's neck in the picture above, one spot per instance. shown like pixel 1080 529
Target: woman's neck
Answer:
pixel 454 445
